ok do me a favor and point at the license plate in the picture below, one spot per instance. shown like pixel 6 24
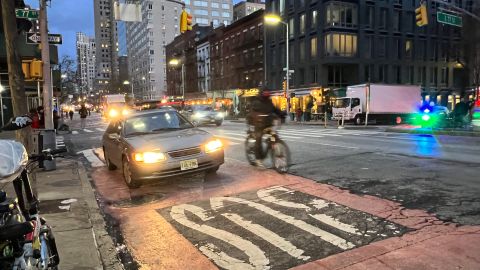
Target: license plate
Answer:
pixel 188 164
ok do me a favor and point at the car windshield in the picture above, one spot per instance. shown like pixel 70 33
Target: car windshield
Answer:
pixel 342 103
pixel 202 108
pixel 157 122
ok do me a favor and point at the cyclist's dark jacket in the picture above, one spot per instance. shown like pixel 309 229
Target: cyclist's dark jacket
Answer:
pixel 262 106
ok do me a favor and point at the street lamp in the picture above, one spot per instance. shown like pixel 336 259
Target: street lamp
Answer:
pixel 175 62
pixel 274 19
pixel 127 83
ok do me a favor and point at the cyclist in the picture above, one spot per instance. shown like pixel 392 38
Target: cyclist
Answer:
pixel 261 115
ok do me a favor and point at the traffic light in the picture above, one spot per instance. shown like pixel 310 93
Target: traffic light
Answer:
pixel 189 22
pixel 26 69
pixel 183 21
pixel 421 15
pixel 284 85
pixel 36 69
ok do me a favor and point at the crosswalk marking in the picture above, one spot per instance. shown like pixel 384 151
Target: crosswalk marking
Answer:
pixel 87 130
pixel 92 158
pixel 74 132
pixel 100 129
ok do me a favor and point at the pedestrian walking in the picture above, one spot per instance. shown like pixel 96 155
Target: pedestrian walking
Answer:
pixel 41 116
pixel 70 113
pixel 35 118
pixel 56 117
pixel 308 111
pixel 83 116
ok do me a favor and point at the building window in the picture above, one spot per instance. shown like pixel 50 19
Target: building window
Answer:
pixel 382 24
pixel 422 75
pixel 200 3
pixel 368 47
pixel 420 50
pixel 313 47
pixel 433 75
pixel 397 74
pixel 291 28
pixel 302 24
pixel 215 5
pixel 341 15
pixel 369 17
pixel 444 76
pixel 215 13
pixel 337 44
pixel 226 14
pixel 410 74
pixel 301 76
pixel 201 12
pixel 203 21
pixel 225 6
pixel 291 53
pixel 396 20
pixel 382 73
pixel 408 48
pixel 313 23
pixel 313 74
pixel 433 50
pixel 381 47
pixel 302 50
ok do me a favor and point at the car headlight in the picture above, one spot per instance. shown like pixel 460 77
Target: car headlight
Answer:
pixel 213 146
pixel 125 112
pixel 197 115
pixel 113 113
pixel 149 157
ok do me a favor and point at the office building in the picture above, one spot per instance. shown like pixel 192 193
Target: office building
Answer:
pixel 106 47
pixel 86 64
pixel 245 8
pixel 334 44
pixel 205 12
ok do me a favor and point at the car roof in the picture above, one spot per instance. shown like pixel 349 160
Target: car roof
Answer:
pixel 153 111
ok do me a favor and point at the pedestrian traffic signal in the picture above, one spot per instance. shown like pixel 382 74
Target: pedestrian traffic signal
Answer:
pixel 421 15
pixel 36 69
pixel 26 69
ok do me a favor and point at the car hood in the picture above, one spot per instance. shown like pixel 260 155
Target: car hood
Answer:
pixel 169 140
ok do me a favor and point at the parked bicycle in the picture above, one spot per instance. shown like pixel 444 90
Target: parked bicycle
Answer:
pixel 26 240
pixel 272 146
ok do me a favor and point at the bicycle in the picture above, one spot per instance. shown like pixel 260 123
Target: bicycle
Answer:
pixel 271 144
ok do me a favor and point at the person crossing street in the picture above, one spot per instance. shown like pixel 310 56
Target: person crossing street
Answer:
pixel 83 116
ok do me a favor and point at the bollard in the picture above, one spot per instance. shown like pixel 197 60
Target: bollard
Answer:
pixel 343 120
pixel 49 142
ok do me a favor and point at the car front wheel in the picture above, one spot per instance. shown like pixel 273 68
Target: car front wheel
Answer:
pixel 109 164
pixel 127 175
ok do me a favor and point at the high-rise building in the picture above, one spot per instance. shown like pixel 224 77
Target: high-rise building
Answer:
pixel 106 46
pixel 245 8
pixel 146 40
pixel 334 44
pixel 86 66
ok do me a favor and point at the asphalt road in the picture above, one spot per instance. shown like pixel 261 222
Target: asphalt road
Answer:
pixel 438 174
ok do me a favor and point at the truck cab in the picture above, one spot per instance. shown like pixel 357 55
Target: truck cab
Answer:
pixel 348 107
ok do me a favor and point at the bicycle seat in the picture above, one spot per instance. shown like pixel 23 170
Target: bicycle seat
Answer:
pixel 15 231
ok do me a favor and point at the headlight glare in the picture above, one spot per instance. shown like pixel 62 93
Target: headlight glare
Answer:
pixel 113 113
pixel 125 112
pixel 213 146
pixel 149 157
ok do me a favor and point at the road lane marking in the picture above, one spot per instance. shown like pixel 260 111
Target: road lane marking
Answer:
pixel 324 144
pixel 265 195
pixel 92 158
pixel 335 223
pixel 230 138
pixel 87 130
pixel 308 134
pixel 74 132
pixel 256 256
pixel 100 129
pixel 217 202
pixel 268 236
pixel 222 259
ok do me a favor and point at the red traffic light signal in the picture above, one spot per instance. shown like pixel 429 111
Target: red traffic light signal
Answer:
pixel 189 22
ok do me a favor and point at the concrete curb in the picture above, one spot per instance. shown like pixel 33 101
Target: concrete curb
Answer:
pixel 435 132
pixel 105 246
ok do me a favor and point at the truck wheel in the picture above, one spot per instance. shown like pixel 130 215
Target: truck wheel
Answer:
pixel 357 120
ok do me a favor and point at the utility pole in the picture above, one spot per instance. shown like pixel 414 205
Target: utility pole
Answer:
pixel 15 73
pixel 47 79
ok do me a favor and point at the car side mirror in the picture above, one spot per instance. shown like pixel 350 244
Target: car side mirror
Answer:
pixel 114 136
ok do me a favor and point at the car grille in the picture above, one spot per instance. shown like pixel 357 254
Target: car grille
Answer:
pixel 185 152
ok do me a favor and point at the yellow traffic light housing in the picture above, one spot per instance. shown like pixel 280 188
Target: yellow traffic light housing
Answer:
pixel 36 69
pixel 26 69
pixel 284 85
pixel 421 15
pixel 183 21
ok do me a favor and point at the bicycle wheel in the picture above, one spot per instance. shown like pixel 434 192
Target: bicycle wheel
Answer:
pixel 280 155
pixel 250 149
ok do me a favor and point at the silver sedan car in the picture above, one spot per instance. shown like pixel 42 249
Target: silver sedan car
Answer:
pixel 158 144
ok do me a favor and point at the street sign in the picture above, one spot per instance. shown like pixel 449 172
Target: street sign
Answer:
pixel 31 14
pixel 34 38
pixel 449 19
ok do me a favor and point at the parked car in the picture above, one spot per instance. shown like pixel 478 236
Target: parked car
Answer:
pixel 203 114
pixel 156 144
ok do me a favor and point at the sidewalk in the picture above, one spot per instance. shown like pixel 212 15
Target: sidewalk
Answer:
pixel 68 203
pixel 446 131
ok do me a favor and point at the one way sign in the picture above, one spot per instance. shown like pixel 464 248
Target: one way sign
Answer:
pixel 34 38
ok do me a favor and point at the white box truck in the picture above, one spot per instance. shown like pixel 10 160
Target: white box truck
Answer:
pixel 380 103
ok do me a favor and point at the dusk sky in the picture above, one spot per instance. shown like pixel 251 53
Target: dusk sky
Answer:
pixel 67 17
